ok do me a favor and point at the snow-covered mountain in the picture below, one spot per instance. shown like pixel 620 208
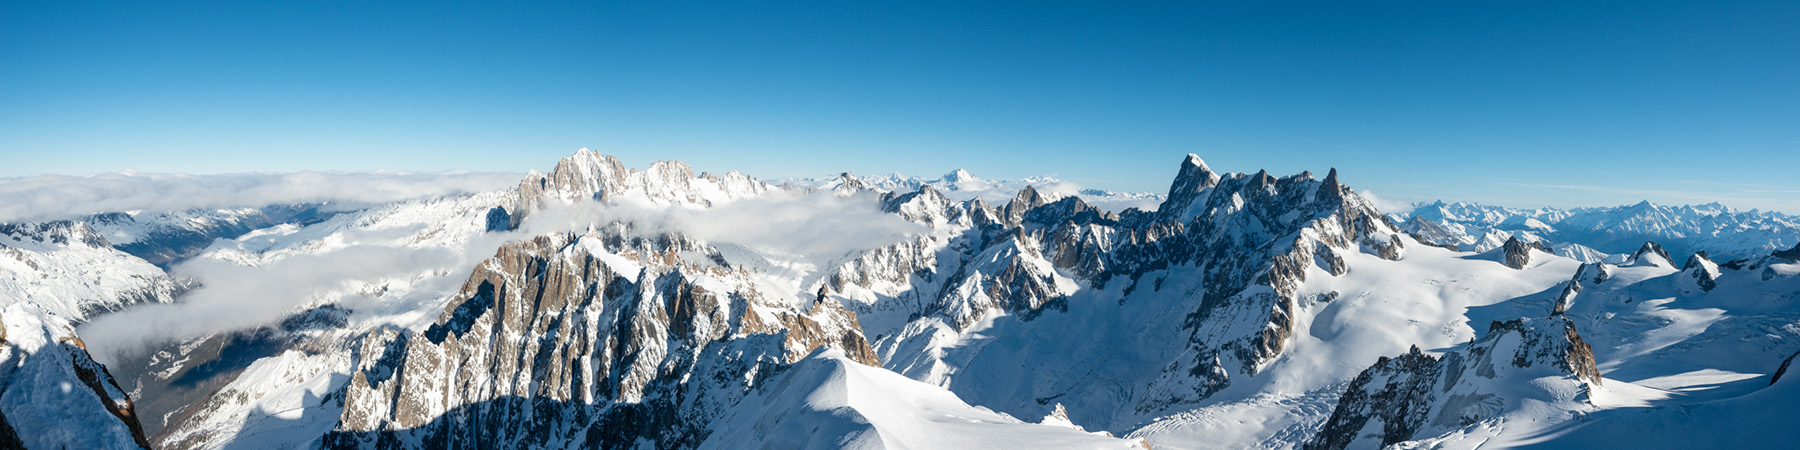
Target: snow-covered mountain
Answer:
pixel 599 306
pixel 105 262
pixel 1590 234
pixel 69 269
pixel 961 185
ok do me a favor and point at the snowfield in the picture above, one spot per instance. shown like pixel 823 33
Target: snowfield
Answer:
pixel 828 401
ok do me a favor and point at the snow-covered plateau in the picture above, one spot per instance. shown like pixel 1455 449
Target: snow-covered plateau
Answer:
pixel 601 306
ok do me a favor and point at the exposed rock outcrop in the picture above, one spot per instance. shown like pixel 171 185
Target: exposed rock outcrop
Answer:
pixel 599 340
pixel 1779 371
pixel 1416 393
pixel 1518 253
pixel 1792 254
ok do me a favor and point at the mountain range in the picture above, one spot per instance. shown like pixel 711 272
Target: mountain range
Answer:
pixel 600 306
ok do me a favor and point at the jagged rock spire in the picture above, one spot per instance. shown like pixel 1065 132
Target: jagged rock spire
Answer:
pixel 1194 177
pixel 1027 199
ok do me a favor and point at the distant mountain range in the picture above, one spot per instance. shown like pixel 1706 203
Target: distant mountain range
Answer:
pixel 962 185
pixel 1724 233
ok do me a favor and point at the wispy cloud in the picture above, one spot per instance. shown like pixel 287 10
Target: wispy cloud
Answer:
pixel 51 197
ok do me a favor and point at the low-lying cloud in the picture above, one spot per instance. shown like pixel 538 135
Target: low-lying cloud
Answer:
pixel 231 296
pixel 54 197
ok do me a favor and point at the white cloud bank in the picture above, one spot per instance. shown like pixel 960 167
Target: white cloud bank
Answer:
pixel 54 197
pixel 235 297
pixel 818 227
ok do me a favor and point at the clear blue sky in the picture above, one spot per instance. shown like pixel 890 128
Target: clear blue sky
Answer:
pixel 1516 103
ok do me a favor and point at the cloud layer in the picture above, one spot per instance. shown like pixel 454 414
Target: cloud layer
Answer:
pixel 817 226
pixel 234 297
pixel 54 197
pixel 231 296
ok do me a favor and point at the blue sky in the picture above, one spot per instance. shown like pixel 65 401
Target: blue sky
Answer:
pixel 1515 103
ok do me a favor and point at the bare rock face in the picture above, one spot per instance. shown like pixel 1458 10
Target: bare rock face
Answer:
pixel 1518 253
pixel 53 395
pixel 1416 392
pixel 591 341
pixel 1395 392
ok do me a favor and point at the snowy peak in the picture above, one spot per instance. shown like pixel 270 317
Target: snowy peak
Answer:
pixel 588 175
pixel 1191 180
pixel 1703 271
pixel 1195 167
pixel 1026 200
pixel 585 173
pixel 1650 254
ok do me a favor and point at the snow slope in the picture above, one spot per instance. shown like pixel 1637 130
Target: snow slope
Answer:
pixel 1687 354
pixel 828 401
pixel 52 395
